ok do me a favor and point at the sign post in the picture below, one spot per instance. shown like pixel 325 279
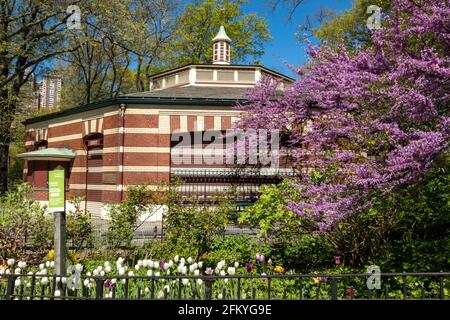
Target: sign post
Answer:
pixel 57 205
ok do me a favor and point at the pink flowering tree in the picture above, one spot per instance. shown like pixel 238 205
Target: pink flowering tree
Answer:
pixel 361 124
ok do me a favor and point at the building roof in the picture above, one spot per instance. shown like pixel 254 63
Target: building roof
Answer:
pixel 60 154
pixel 221 35
pixel 194 92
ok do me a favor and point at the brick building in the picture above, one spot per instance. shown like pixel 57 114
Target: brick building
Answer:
pixel 110 145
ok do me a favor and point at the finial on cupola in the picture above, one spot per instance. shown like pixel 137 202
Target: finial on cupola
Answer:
pixel 222 45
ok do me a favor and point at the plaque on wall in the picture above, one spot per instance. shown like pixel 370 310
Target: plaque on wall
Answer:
pixel 109 178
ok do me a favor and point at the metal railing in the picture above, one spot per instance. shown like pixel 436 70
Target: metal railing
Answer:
pixel 404 285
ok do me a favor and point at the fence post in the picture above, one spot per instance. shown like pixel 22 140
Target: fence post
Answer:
pixel 208 289
pixel 334 288
pixel 10 289
pixel 441 286
pixel 98 289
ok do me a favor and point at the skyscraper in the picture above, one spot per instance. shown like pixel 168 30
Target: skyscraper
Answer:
pixel 49 92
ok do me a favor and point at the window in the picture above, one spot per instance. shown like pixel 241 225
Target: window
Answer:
pixel 225 75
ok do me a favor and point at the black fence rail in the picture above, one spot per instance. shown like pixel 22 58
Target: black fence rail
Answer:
pixel 434 286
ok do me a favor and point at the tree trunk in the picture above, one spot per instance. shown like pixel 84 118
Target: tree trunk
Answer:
pixel 4 153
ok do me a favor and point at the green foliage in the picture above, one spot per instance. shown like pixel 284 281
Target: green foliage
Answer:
pixel 269 213
pixel 189 222
pixel 200 22
pixel 125 215
pixel 350 28
pixel 23 220
pixel 240 248
pixel 79 227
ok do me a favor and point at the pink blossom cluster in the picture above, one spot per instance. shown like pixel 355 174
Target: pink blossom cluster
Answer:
pixel 362 123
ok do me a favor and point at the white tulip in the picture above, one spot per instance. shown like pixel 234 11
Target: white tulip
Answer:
pixel 8 271
pixel 44 281
pixel 160 295
pixel 170 263
pixel 183 269
pixel 150 263
pixel 2 271
pixel 102 273
pixel 149 273
pixel 95 272
pixel 86 282
pixel 193 267
pixel 157 274
pixel 136 267
pixel 64 280
pixel 41 266
pixel 231 271
pixel 107 269
pixel 155 264
pixel 57 279
pixel 57 293
pixel 222 273
pixel 168 272
pixel 88 273
pixel 30 273
pixel 131 274
pixel 176 258
pixel 124 281
pixel 220 296
pixel 200 281
pixel 166 266
pixel 196 272
pixel 182 261
pixel 47 264
pixel 236 264
pixel 189 260
pixel 139 263
pixel 121 271
pixel 226 280
pixel 146 290
pixel 100 268
pixel 11 262
pixel 167 288
pixel 17 271
pixel 17 283
pixel 113 281
pixel 200 264
pixel 106 264
pixel 52 264
pixel 145 263
pixel 185 281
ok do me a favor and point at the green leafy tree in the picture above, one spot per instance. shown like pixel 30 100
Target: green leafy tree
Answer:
pixel 191 223
pixel 23 223
pixel 200 22
pixel 79 226
pixel 125 216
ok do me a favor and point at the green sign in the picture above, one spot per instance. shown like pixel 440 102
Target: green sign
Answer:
pixel 56 188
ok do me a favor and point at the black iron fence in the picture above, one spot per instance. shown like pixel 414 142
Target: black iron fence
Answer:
pixel 434 286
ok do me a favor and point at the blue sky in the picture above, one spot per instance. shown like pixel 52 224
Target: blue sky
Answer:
pixel 284 48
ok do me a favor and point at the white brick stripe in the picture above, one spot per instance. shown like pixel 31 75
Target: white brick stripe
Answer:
pixel 65 138
pixel 125 169
pixel 183 124
pixel 132 130
pixel 217 123
pixel 138 150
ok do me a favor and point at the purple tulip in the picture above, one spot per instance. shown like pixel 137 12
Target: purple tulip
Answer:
pixel 161 265
pixel 209 271
pixel 249 267
pixel 108 284
pixel 337 260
